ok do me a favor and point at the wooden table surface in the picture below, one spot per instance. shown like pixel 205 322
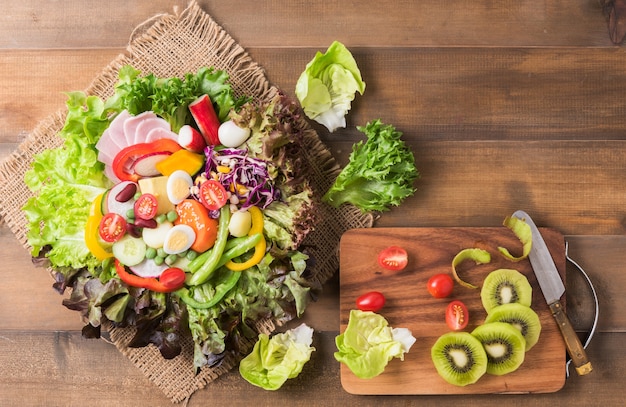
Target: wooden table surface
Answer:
pixel 506 104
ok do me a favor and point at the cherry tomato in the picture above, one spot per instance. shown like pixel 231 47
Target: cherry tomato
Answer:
pixel 112 227
pixel 146 206
pixel 457 315
pixel 172 277
pixel 371 301
pixel 440 285
pixel 213 195
pixel 393 258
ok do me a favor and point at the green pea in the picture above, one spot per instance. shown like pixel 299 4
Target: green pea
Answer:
pixel 161 218
pixel 158 260
pixel 151 253
pixel 171 216
pixel 130 214
pixel 171 259
pixel 161 253
pixel 191 255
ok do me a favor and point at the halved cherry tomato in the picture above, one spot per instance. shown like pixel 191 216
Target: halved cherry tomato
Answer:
pixel 393 258
pixel 371 301
pixel 193 213
pixel 112 227
pixel 213 195
pixel 146 206
pixel 440 285
pixel 457 316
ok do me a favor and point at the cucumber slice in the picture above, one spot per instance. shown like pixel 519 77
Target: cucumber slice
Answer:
pixel 104 207
pixel 129 250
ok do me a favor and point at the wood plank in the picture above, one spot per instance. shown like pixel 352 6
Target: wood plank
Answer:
pixel 61 369
pixel 401 23
pixel 33 83
pixel 517 94
pixel 28 303
pixel 452 192
pixel 576 187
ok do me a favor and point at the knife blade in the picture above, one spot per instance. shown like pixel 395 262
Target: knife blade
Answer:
pixel 553 289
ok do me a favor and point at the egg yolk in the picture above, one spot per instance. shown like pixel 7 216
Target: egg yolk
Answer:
pixel 180 189
pixel 178 241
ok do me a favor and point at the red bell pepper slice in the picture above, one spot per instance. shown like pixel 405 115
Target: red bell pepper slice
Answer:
pixel 171 279
pixel 123 161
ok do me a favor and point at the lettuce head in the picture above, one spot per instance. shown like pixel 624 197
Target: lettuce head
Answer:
pixel 369 343
pixel 274 360
pixel 328 86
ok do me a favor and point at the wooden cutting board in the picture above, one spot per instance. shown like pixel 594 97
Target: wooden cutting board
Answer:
pixel 409 305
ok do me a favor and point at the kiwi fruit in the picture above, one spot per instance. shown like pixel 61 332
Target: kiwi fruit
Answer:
pixel 459 358
pixel 504 286
pixel 521 317
pixel 505 347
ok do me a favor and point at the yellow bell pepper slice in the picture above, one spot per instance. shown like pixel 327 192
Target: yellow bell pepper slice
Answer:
pixel 184 160
pixel 259 248
pixel 91 230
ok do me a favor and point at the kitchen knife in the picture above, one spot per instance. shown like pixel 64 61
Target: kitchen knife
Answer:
pixel 553 288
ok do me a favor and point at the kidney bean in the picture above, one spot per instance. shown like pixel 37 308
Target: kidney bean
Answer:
pixel 146 223
pixel 126 193
pixel 133 230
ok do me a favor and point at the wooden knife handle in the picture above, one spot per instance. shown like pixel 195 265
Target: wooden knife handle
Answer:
pixel 574 346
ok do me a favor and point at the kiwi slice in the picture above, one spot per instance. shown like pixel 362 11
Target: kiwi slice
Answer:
pixel 504 345
pixel 521 317
pixel 459 358
pixel 504 286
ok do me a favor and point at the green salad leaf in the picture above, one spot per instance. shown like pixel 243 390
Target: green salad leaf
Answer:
pixel 170 97
pixel 328 86
pixel 274 360
pixel 369 343
pixel 66 180
pixel 380 173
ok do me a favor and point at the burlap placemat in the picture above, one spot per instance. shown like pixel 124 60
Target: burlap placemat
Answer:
pixel 171 45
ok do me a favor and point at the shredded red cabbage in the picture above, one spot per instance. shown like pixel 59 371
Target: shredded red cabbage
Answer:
pixel 247 178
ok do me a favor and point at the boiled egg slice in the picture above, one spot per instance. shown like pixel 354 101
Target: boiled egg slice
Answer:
pixel 178 239
pixel 178 186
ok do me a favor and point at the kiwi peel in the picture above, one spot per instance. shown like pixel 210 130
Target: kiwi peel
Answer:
pixel 460 358
pixel 505 286
pixel 504 345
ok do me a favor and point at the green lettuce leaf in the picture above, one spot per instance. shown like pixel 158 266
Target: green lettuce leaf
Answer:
pixel 273 361
pixel 368 344
pixel 379 174
pixel 170 97
pixel 66 179
pixel 328 86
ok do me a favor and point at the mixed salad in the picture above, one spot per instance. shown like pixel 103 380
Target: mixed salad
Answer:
pixel 178 208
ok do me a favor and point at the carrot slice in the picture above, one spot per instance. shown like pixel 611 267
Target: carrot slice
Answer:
pixel 194 214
